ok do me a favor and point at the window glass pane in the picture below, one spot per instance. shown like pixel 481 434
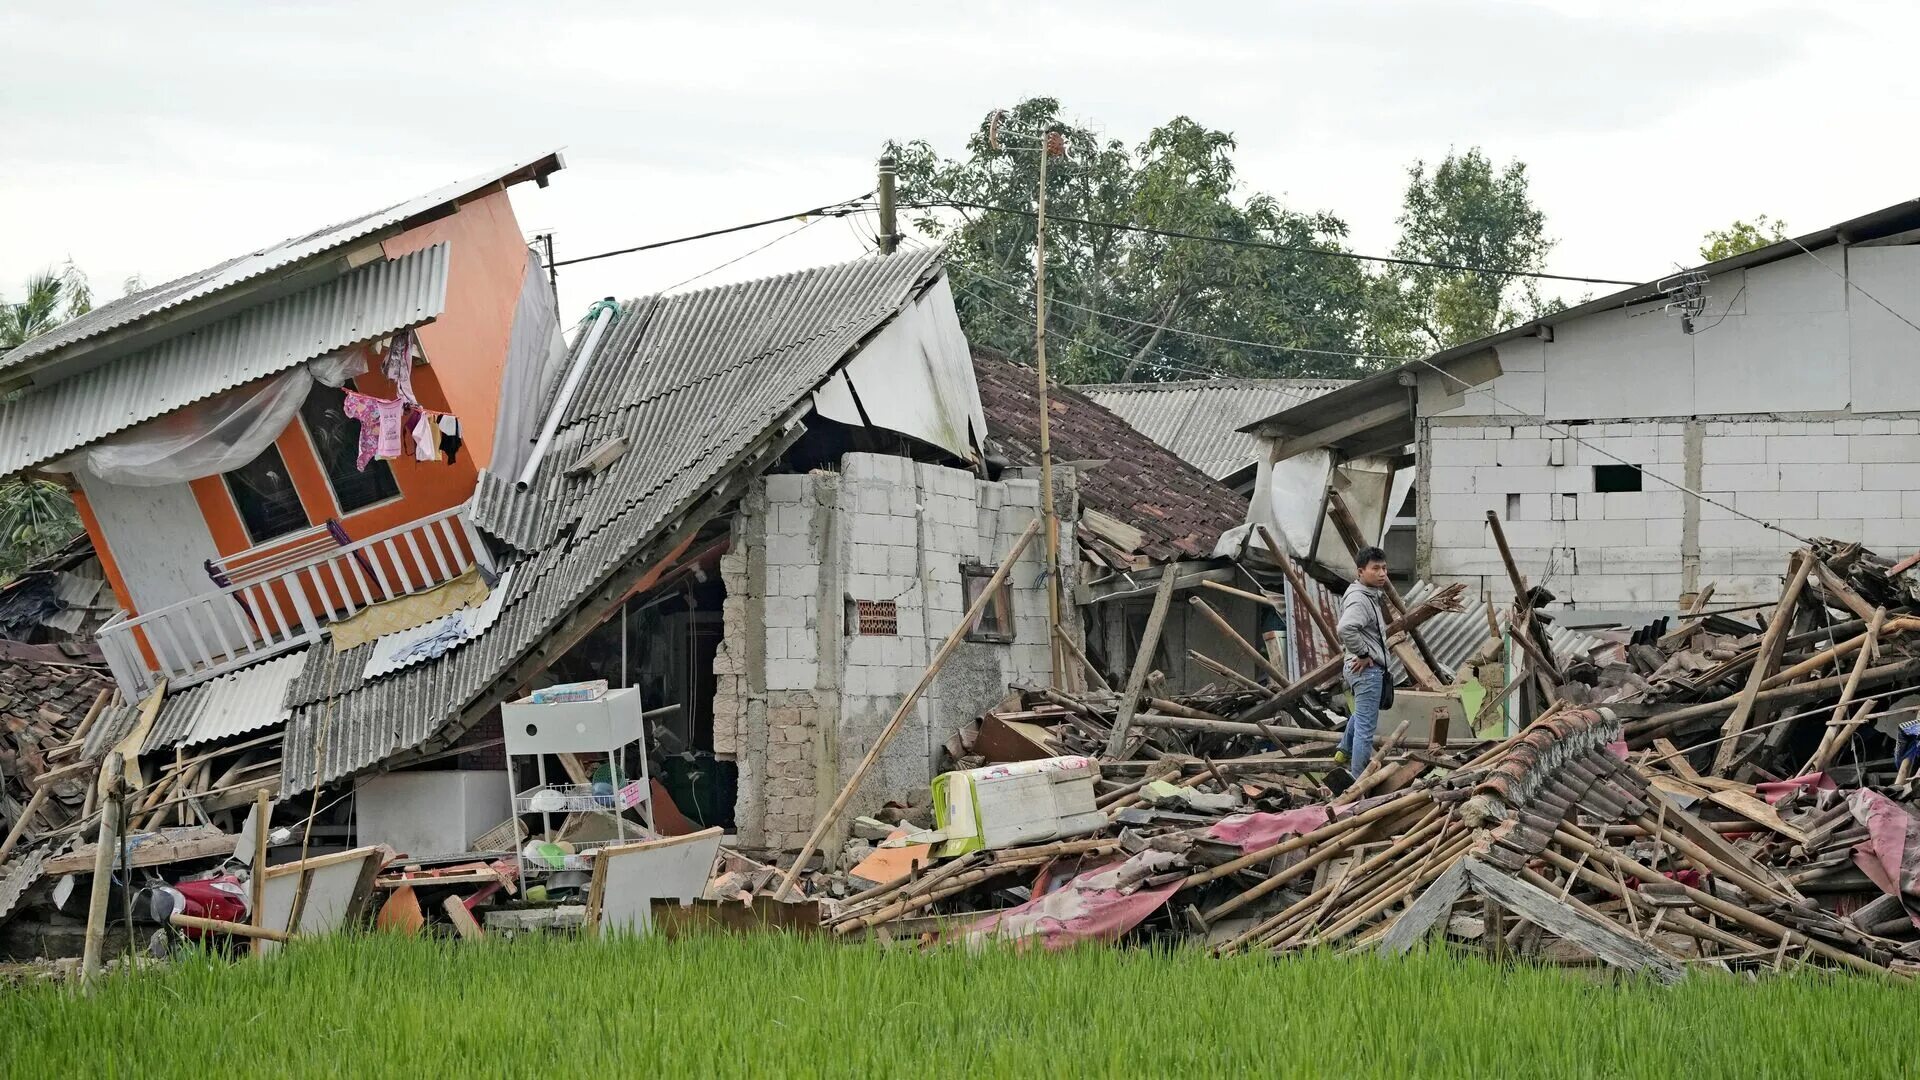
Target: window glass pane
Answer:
pixel 269 506
pixel 995 622
pixel 336 439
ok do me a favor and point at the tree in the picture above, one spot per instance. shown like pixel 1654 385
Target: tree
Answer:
pixel 1741 236
pixel 1112 291
pixel 1462 212
pixel 37 516
pixel 52 297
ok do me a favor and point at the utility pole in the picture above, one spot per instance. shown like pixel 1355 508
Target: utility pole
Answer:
pixel 1046 445
pixel 553 283
pixel 889 234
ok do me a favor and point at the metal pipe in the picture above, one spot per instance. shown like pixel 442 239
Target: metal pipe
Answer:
pixel 605 310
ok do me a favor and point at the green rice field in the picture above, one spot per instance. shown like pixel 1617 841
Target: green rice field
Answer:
pixel 777 1006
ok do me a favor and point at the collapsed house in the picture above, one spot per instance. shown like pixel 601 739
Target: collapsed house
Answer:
pixel 1774 383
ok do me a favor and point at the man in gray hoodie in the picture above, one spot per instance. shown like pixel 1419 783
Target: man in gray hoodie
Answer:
pixel 1363 642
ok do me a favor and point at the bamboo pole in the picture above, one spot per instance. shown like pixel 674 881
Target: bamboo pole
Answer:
pixel 257 881
pixel 19 829
pixel 887 733
pixel 1297 581
pixel 1746 707
pixel 258 934
pixel 105 847
pixel 1080 658
pixel 1233 637
pixel 1142 663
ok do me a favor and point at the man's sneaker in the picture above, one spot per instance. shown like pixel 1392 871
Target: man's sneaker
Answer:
pixel 1340 757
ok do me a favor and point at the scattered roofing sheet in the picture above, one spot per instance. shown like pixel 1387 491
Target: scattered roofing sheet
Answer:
pixel 697 380
pixel 1199 419
pixel 1179 510
pixel 233 704
pixel 221 276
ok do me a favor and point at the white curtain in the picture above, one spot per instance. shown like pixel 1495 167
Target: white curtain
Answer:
pixel 212 436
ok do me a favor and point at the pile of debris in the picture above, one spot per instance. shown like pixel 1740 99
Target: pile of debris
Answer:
pixel 1707 791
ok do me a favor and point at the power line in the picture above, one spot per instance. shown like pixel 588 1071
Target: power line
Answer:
pixel 808 224
pixel 839 209
pixel 1190 333
pixel 1297 249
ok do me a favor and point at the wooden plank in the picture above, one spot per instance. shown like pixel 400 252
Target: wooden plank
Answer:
pixel 1287 446
pixel 1757 811
pixel 1771 642
pixel 1297 581
pixel 1572 923
pixel 1142 663
pixel 462 919
pixel 1428 910
pixel 166 846
pixel 222 926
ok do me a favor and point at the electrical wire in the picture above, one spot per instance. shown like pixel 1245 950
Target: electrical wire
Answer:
pixel 1856 286
pixel 1269 245
pixel 838 209
pixel 755 251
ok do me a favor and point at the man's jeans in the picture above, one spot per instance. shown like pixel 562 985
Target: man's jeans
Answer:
pixel 1357 741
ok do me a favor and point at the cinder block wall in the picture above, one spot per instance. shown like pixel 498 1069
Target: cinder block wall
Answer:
pixel 798 699
pixel 1852 478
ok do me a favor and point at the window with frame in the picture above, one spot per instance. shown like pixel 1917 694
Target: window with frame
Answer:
pixel 336 442
pixel 264 494
pixel 995 621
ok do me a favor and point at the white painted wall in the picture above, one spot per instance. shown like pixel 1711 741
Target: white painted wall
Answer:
pixel 157 537
pixel 1804 399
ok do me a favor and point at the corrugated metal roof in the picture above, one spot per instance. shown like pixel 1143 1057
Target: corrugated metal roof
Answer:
pixel 693 382
pixel 366 304
pixel 17 877
pixel 225 275
pixel 238 702
pixel 1451 636
pixel 115 722
pixel 1199 419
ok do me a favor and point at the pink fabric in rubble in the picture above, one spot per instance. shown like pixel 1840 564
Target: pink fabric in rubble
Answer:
pixel 1893 840
pixel 1618 749
pixel 1086 908
pixel 1258 830
pixel 1775 790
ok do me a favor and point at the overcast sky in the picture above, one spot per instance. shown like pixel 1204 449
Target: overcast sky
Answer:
pixel 153 139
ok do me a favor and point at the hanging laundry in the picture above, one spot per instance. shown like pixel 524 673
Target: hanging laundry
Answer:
pixel 450 435
pixel 397 365
pixel 425 430
pixel 381 423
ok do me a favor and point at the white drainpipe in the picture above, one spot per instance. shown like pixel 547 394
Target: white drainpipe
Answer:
pixel 605 310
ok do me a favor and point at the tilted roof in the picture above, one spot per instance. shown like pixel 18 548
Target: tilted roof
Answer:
pixel 1200 419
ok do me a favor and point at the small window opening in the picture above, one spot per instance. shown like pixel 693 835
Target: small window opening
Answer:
pixel 1607 478
pixel 264 494
pixel 995 623
pixel 873 618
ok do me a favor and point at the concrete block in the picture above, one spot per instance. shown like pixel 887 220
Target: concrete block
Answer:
pixel 1448 480
pixel 904 501
pixel 1463 534
pixel 1630 560
pixel 1869 449
pixel 1906 427
pixel 1521 534
pixel 1535 506
pixel 1775 505
pixel 1592 590
pixel 1518 452
pixel 1903 476
pixel 1634 449
pixel 1732 450
pixel 1888 534
pixel 1664 503
pixel 792 674
pixel 1824 477
pixel 776 642
pixel 1739 533
pixel 786 611
pixel 1670 449
pixel 1740 477
pixel 903 560
pixel 1458 453
pixel 1465 507
pixel 793 519
pixel 1589 533
pixel 1574 480
pixel 1846 427
pixel 1518 479
pixel 903 530
pixel 799 580
pixel 1856 504
pixel 1664 533
pixel 789 550
pixel 870 560
pixel 802 644
pixel 1807 448
pixel 1875 425
pixel 788 487
pixel 1486 561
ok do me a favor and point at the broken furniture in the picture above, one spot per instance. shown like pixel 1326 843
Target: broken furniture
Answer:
pixel 611 726
pixel 628 878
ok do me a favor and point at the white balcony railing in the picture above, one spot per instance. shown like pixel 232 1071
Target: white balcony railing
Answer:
pixel 228 628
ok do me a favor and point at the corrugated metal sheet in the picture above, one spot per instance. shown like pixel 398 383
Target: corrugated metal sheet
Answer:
pixel 366 304
pixel 17 877
pixel 205 283
pixel 233 704
pixel 1451 636
pixel 693 382
pixel 1198 420
pixel 114 724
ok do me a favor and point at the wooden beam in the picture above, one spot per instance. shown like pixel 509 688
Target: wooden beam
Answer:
pixel 1770 645
pixel 1286 446
pixel 1142 663
pixel 1297 581
pixel 1572 923
pixel 1233 637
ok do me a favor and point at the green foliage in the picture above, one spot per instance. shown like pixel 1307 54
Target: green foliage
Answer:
pixel 1462 212
pixel 1182 179
pixel 779 1006
pixel 1741 236
pixel 52 297
pixel 36 516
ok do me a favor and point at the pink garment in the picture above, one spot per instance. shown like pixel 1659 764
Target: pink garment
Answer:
pixel 426 446
pixel 380 426
pixel 1091 906
pixel 1260 830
